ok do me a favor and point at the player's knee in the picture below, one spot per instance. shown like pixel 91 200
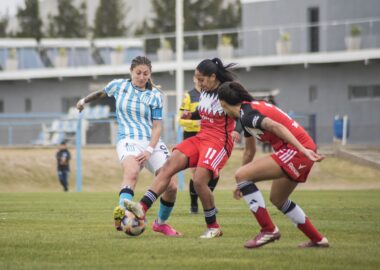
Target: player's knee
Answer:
pixel 172 188
pixel 198 184
pixel 131 175
pixel 240 176
pixel 276 201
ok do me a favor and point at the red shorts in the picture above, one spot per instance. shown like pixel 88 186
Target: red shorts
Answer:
pixel 208 154
pixel 295 164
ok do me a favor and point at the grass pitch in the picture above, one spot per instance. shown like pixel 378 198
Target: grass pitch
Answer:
pixel 75 231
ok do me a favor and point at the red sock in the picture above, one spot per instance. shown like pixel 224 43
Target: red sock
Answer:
pixel 263 218
pixel 145 207
pixel 214 225
pixel 310 231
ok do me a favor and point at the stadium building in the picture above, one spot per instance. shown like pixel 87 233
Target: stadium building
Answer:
pixel 319 58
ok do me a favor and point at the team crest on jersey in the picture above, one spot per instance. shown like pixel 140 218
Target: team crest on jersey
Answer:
pixel 145 97
pixel 209 104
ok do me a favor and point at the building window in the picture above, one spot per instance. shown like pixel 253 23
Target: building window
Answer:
pixel 313 19
pixel 313 93
pixel 1 106
pixel 376 91
pixel 68 102
pixel 28 105
pixel 363 92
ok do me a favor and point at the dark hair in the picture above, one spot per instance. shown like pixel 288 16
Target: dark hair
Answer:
pixel 143 60
pixel 233 93
pixel 215 66
pixel 63 142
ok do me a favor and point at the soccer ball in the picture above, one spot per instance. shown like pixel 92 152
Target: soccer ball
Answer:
pixel 132 225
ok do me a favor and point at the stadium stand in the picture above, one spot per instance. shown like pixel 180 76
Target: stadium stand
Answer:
pixel 66 126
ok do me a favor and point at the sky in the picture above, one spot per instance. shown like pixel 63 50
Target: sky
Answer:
pixel 10 6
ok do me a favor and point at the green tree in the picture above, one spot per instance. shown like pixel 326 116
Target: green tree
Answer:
pixel 198 16
pixel 70 22
pixel 3 26
pixel 109 19
pixel 29 20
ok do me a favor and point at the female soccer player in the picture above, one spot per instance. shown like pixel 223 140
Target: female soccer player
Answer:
pixel 207 151
pixel 295 154
pixel 139 115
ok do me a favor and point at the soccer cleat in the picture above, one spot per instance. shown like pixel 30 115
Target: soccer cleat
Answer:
pixel 118 215
pixel 165 229
pixel 194 210
pixel 263 238
pixel 324 243
pixel 212 233
pixel 135 208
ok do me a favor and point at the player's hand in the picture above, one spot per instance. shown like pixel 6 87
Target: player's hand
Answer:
pixel 235 136
pixel 186 115
pixel 310 154
pixel 80 105
pixel 144 156
pixel 237 194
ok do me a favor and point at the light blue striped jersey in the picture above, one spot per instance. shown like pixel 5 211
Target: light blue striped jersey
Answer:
pixel 135 109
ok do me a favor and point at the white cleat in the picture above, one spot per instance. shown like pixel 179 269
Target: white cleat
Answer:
pixel 135 208
pixel 212 233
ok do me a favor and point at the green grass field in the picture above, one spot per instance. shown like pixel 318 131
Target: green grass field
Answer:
pixel 75 231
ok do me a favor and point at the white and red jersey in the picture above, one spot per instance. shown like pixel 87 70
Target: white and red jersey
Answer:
pixel 252 114
pixel 215 124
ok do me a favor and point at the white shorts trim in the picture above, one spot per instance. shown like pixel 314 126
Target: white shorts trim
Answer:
pixel 128 147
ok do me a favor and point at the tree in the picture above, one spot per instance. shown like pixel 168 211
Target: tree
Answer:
pixel 29 20
pixel 198 16
pixel 3 26
pixel 109 19
pixel 70 22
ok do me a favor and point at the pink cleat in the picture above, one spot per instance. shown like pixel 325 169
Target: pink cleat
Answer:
pixel 324 243
pixel 165 229
pixel 263 238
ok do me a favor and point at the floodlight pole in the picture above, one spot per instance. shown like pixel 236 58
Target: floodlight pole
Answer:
pixel 179 73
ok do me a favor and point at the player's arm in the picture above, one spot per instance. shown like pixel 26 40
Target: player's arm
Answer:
pixel 91 97
pixel 185 107
pixel 237 131
pixel 191 115
pixel 283 133
pixel 156 133
pixel 249 150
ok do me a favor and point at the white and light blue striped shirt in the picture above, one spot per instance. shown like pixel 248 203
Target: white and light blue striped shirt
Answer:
pixel 135 109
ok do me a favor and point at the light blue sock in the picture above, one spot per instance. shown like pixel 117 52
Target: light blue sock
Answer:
pixel 123 196
pixel 166 209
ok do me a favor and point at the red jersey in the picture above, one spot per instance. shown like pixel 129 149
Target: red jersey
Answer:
pixel 253 113
pixel 215 124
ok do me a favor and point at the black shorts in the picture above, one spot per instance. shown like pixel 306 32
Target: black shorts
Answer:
pixel 187 134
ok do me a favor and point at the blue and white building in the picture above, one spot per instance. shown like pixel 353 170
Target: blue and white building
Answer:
pixel 319 57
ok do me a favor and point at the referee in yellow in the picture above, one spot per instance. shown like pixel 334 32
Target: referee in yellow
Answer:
pixel 191 128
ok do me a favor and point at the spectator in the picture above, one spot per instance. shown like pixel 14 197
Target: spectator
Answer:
pixel 63 168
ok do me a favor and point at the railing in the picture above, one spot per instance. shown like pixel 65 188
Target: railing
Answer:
pixel 225 43
pixel 46 129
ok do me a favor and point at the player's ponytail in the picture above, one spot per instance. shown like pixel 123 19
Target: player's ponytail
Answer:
pixel 233 93
pixel 215 66
pixel 223 73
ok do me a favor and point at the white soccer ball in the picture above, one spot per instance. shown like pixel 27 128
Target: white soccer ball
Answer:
pixel 132 225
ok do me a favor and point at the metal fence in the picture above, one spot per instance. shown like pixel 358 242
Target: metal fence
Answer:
pixel 227 43
pixel 38 129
